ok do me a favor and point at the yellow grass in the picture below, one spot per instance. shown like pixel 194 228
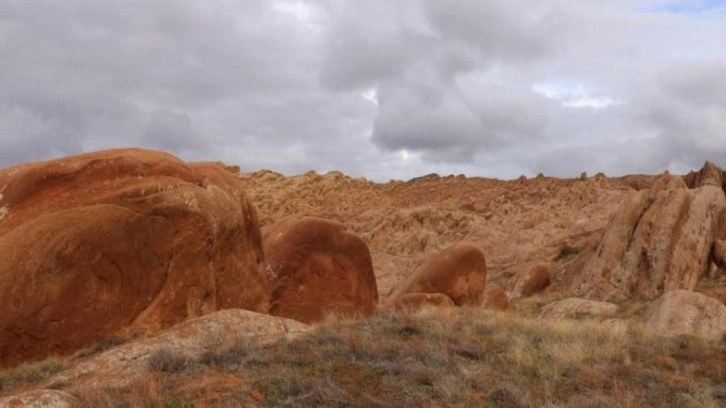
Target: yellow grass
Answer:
pixel 457 357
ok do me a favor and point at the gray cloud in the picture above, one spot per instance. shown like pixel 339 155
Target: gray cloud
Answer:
pixel 376 88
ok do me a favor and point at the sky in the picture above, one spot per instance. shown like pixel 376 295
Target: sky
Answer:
pixel 377 88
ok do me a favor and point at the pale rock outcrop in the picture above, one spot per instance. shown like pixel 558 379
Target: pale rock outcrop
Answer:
pixel 577 307
pixel 127 363
pixel 459 272
pixel 659 241
pixel 40 399
pixel 317 268
pixel 120 240
pixel 687 312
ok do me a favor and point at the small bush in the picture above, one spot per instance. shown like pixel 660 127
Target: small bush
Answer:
pixel 103 345
pixel 167 361
pixel 32 372
pixel 566 252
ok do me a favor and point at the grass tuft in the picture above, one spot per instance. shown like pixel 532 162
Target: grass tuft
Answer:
pixel 31 372
pixel 166 360
pixel 566 252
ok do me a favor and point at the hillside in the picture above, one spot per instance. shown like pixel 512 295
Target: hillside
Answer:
pixel 517 223
pixel 131 278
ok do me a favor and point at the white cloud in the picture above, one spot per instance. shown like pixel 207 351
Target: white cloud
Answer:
pixel 377 88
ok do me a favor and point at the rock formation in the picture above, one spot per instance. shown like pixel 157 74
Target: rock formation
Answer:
pixel 577 307
pixel 316 268
pixel 459 272
pixel 215 332
pixel 687 312
pixel 659 241
pixel 719 253
pixel 120 239
pixel 495 298
pixel 40 399
pixel 531 281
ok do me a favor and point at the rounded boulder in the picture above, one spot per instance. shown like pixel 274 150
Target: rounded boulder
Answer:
pixel 458 271
pixel 316 268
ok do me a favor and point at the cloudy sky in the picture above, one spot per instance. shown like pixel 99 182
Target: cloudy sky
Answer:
pixel 377 88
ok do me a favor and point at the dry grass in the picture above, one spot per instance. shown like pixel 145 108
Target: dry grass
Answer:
pixel 31 372
pixel 460 357
pixel 105 344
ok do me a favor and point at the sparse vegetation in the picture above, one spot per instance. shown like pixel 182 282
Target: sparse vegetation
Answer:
pixel 459 357
pixel 105 344
pixel 566 252
pixel 31 372
pixel 168 361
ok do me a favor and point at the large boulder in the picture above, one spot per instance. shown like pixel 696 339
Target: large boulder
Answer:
pixel 687 312
pixel 661 240
pixel 459 271
pixel 316 268
pixel 120 240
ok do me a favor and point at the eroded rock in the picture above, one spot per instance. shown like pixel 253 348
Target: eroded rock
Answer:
pixel 687 312
pixel 531 281
pixel 316 268
pixel 495 298
pixel 659 241
pixel 459 272
pixel 120 240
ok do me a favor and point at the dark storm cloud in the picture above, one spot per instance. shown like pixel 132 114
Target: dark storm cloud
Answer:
pixel 377 88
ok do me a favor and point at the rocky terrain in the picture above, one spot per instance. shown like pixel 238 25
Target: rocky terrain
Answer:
pixel 127 276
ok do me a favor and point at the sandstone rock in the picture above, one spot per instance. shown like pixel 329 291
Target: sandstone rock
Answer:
pixel 495 298
pixel 120 239
pixel 217 331
pixel 405 224
pixel 317 268
pixel 459 272
pixel 416 301
pixel 575 307
pixel 659 241
pixel 40 399
pixel 709 175
pixel 719 253
pixel 529 282
pixel 686 312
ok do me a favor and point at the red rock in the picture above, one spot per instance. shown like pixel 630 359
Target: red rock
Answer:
pixel 661 240
pixel 531 281
pixel 316 268
pixel 495 298
pixel 120 239
pixel 459 272
pixel 709 175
